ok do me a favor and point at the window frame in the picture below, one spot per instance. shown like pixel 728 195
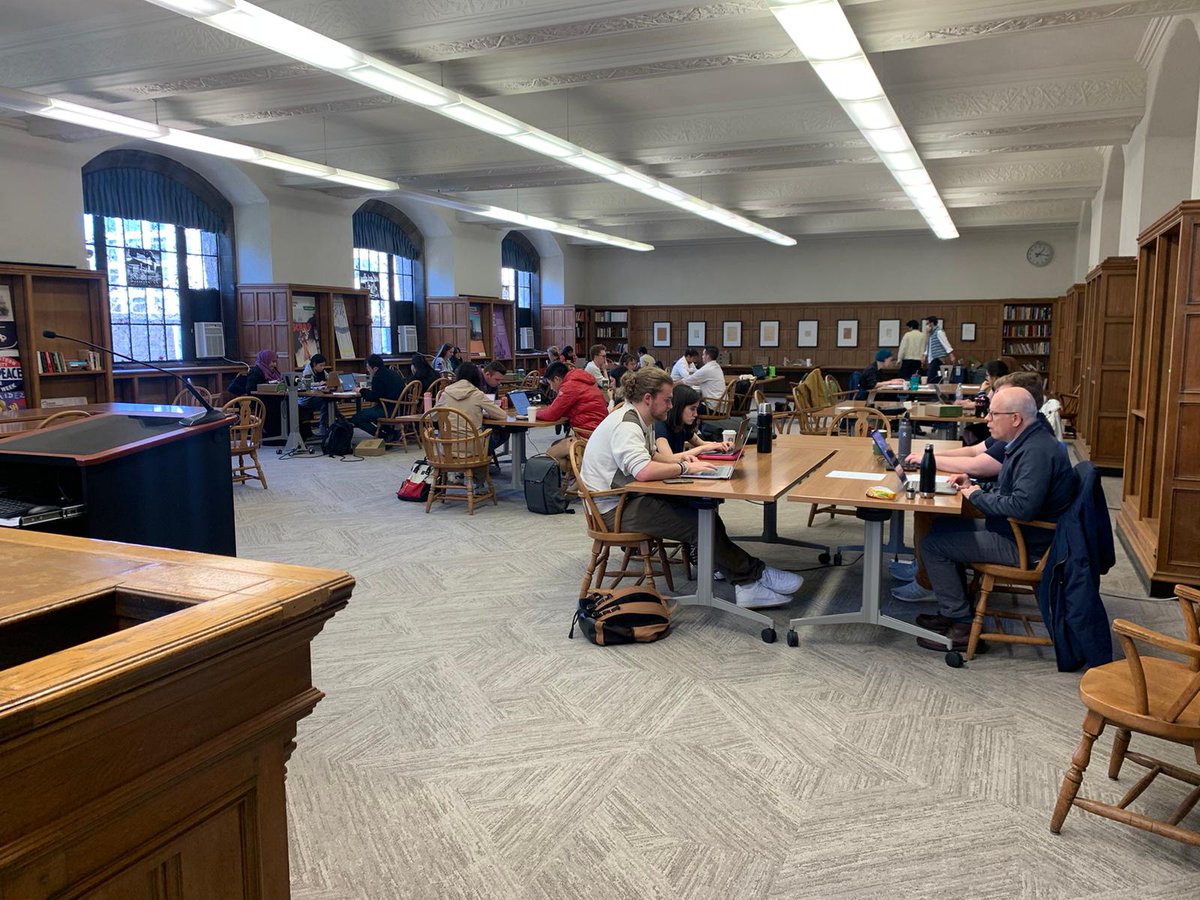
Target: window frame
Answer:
pixel 403 312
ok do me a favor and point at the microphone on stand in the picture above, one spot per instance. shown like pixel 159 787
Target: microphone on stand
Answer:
pixel 209 415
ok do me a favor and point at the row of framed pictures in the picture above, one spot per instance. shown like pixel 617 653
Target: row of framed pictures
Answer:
pixel 806 333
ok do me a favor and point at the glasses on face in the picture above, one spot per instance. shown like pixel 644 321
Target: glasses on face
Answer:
pixel 992 413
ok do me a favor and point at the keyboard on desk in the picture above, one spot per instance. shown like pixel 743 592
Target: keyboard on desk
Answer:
pixel 12 509
pixel 720 473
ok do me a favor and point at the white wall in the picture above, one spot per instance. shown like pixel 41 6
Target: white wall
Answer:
pixel 890 267
pixel 312 241
pixel 477 259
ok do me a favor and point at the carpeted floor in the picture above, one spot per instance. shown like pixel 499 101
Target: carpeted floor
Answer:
pixel 466 748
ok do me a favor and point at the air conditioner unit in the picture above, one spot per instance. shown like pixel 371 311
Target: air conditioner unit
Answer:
pixel 210 340
pixel 408 339
pixel 526 339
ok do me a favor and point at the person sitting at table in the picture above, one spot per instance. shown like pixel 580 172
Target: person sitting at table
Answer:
pixel 643 359
pixel 975 432
pixel 628 363
pixel 553 355
pixel 576 399
pixel 869 378
pixel 316 369
pixel 441 360
pixel 677 436
pixel 685 365
pixel 709 379
pixel 1034 483
pixel 493 375
pixel 568 355
pixel 386 384
pixel 266 371
pixel 422 371
pixel 597 365
pixel 621 451
pixel 466 394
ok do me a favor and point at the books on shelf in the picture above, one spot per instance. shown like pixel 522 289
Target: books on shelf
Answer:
pixel 1019 348
pixel 50 362
pixel 1026 313
pixel 611 315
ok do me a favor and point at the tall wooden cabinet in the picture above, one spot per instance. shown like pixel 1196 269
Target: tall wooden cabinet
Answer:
pixel 484 327
pixel 1159 519
pixel 72 302
pixel 1065 368
pixel 558 326
pixel 268 320
pixel 1107 342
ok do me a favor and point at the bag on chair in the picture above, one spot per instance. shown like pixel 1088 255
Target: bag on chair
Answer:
pixel 622 616
pixel 416 485
pixel 543 486
pixel 338 440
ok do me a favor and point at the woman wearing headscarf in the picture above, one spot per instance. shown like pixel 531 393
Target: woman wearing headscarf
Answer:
pixel 266 371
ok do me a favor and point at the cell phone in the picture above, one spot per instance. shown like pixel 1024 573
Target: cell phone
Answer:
pixel 677 481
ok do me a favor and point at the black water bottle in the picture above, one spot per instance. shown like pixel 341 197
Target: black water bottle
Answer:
pixel 928 479
pixel 904 441
pixel 765 429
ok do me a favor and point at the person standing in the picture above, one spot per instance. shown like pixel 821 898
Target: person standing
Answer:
pixel 912 348
pixel 937 350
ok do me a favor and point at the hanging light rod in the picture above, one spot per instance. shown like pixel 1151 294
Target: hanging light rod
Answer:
pixel 822 33
pixel 256 25
pixel 101 120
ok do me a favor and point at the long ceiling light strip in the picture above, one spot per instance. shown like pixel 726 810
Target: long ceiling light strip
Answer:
pixel 65 111
pixel 256 25
pixel 821 31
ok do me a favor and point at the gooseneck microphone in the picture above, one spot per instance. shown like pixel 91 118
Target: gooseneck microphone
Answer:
pixel 209 415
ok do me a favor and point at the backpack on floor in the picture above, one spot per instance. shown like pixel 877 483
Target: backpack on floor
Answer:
pixel 543 486
pixel 623 616
pixel 416 485
pixel 338 440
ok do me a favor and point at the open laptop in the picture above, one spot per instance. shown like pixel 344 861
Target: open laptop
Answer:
pixel 720 473
pixel 739 445
pixel 346 382
pixel 520 403
pixel 759 371
pixel 894 463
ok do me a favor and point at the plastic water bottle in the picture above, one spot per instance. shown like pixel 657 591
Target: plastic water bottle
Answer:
pixel 928 478
pixel 958 393
pixel 905 438
pixel 765 429
pixel 914 382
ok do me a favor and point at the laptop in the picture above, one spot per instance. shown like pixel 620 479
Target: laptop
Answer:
pixel 721 473
pixel 894 463
pixel 759 371
pixel 520 403
pixel 347 382
pixel 739 445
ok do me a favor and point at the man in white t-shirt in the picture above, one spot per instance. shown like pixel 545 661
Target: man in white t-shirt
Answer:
pixel 685 365
pixel 597 365
pixel 709 379
pixel 621 450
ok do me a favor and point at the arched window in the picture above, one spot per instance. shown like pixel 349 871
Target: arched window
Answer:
pixel 519 282
pixel 388 252
pixel 163 235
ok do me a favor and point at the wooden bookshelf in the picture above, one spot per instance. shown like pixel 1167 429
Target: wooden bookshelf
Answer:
pixel 72 302
pixel 1107 341
pixel 1161 485
pixel 265 321
pixel 448 321
pixel 1025 333
pixel 608 325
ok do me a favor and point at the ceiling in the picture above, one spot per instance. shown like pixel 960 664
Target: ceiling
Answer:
pixel 1009 103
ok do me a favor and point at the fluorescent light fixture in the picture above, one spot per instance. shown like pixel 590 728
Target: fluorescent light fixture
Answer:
pixel 367 182
pixel 98 118
pixel 23 101
pixel 290 39
pixel 908 177
pixel 819 29
pixel 902 160
pixel 872 114
pixel 849 79
pixel 284 36
pixel 923 192
pixel 213 146
pixel 888 140
pixel 482 118
pixel 296 166
pixel 389 79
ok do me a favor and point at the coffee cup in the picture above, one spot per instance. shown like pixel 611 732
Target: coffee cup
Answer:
pixel 532 414
pixel 924 380
pixel 729 435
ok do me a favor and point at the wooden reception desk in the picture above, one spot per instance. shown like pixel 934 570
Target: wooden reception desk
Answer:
pixel 148 706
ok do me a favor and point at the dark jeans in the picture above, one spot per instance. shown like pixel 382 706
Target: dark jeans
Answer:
pixel 365 418
pixel 676 521
pixel 909 368
pixel 935 370
pixel 950 545
pixel 322 407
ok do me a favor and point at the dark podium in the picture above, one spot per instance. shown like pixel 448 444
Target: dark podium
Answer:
pixel 142 477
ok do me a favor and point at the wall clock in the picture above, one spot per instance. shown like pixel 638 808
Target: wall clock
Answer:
pixel 1039 253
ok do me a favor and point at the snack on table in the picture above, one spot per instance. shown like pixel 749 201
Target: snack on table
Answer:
pixel 879 492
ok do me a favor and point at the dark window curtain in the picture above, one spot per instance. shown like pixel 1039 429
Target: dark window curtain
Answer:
pixel 518 255
pixel 375 232
pixel 129 193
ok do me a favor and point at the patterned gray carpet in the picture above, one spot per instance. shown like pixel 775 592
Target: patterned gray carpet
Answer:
pixel 466 748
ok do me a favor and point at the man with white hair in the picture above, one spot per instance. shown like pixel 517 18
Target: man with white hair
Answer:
pixel 1035 482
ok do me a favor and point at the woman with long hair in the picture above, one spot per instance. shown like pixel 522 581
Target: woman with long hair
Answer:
pixel 678 437
pixel 441 360
pixel 422 371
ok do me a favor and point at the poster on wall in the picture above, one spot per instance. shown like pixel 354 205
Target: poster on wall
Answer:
pixel 370 281
pixel 304 327
pixel 143 268
pixel 12 382
pixel 341 329
pixel 475 320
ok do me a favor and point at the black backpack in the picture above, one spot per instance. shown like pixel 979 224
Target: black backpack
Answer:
pixel 543 486
pixel 338 440
pixel 623 616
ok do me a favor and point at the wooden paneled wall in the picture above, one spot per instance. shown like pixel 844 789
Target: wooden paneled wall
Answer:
pixel 985 314
pixel 558 326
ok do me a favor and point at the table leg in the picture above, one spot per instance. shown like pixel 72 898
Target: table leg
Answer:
pixel 770 533
pixel 516 439
pixel 291 410
pixel 895 544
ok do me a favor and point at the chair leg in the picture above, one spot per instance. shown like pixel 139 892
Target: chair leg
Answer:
pixel 1120 747
pixel 1093 725
pixel 666 567
pixel 812 513
pixel 258 468
pixel 586 586
pixel 980 612
pixel 644 551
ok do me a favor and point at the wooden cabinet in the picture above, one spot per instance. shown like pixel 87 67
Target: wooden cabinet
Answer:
pixel 1158 521
pixel 558 326
pixel 274 316
pixel 1068 329
pixel 72 302
pixel 482 326
pixel 1107 341
pixel 607 325
pixel 1025 335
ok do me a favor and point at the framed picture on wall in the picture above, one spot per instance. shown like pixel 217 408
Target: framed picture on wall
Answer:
pixel 889 332
pixel 968 331
pixel 696 334
pixel 847 332
pixel 662 334
pixel 768 333
pixel 731 334
pixel 806 333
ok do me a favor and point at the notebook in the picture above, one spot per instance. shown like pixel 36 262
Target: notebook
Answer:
pixel 739 445
pixel 894 463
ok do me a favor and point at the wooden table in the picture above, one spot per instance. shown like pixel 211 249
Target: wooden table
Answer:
pixel 295 446
pixel 820 487
pixel 148 708
pixel 763 477
pixel 518 428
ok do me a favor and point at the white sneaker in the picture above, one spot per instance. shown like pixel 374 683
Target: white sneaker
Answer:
pixel 781 582
pixel 757 595
pixel 912 593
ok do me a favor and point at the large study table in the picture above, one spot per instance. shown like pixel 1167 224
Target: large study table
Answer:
pixel 762 477
pixel 518 428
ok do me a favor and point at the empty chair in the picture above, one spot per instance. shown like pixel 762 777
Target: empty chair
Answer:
pixel 185 398
pixel 64 416
pixel 245 438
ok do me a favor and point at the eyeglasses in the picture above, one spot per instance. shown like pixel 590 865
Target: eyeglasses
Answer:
pixel 1002 412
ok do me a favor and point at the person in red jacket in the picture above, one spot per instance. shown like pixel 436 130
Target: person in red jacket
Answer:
pixel 578 400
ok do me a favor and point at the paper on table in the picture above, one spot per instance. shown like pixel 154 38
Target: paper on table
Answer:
pixel 861 476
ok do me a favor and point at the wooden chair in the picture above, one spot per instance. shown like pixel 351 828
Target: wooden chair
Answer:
pixel 1150 695
pixel 407 404
pixel 453 444
pixel 1023 578
pixel 436 388
pixel 722 408
pixel 531 382
pixel 185 398
pixel 834 392
pixel 741 402
pixel 64 416
pixel 245 438
pixel 1069 408
pixel 861 420
pixel 604 539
